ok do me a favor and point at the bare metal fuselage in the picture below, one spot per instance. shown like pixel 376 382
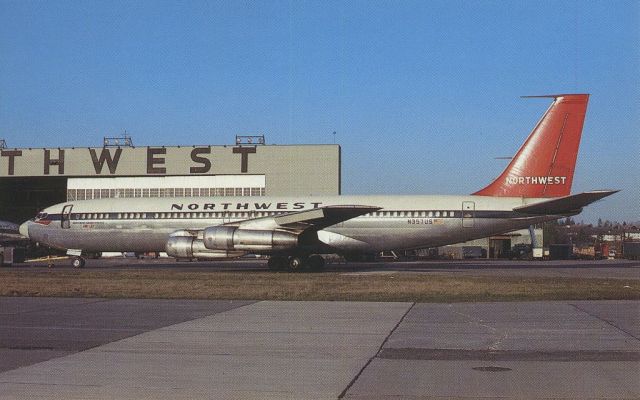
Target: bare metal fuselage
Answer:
pixel 403 222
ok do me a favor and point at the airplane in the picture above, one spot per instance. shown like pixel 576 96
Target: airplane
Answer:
pixel 294 231
pixel 9 233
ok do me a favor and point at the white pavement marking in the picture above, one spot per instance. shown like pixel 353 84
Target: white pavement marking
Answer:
pixel 279 350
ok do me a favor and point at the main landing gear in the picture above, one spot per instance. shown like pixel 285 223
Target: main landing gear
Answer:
pixel 296 263
pixel 77 262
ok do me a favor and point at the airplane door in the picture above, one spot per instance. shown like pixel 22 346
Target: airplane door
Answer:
pixel 66 216
pixel 468 213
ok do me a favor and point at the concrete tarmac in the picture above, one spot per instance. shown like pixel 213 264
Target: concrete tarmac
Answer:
pixel 153 349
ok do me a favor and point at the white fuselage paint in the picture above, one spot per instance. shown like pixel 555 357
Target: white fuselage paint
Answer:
pixel 403 222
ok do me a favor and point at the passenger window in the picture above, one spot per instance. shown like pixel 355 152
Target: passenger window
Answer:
pixel 437 213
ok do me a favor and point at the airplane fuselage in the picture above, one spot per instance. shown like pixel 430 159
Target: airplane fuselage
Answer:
pixel 402 222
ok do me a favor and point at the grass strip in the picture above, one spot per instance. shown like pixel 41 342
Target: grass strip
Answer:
pixel 414 287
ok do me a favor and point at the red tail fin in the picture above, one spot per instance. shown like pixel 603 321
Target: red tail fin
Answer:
pixel 544 165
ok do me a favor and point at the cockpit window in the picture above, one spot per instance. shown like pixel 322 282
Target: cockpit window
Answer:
pixel 42 215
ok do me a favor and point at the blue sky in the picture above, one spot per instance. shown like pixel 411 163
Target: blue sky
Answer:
pixel 423 95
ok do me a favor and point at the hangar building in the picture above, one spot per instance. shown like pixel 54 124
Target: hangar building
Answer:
pixel 34 178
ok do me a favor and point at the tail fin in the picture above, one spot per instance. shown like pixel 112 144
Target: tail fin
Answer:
pixel 544 165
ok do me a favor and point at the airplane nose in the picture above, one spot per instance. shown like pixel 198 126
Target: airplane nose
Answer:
pixel 24 229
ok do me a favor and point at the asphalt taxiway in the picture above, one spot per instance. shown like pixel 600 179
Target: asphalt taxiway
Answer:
pixel 132 349
pixel 618 269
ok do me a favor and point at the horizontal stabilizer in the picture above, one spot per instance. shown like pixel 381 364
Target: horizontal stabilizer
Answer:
pixel 564 205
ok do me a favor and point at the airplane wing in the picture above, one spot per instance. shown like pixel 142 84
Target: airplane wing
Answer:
pixel 564 205
pixel 317 218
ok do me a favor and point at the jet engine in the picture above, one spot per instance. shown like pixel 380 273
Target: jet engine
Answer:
pixel 187 246
pixel 234 238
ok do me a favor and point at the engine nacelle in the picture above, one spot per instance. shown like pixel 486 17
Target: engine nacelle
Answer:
pixel 192 247
pixel 233 238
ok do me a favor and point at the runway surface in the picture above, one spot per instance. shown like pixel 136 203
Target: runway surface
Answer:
pixel 132 349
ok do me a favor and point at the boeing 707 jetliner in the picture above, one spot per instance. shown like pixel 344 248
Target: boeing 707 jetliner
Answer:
pixel 535 187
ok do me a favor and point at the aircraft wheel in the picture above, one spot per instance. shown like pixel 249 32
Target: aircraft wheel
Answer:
pixel 77 262
pixel 296 263
pixel 277 263
pixel 316 262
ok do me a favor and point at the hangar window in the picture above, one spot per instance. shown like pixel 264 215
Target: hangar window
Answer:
pixel 89 194
pixel 80 194
pixel 71 194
